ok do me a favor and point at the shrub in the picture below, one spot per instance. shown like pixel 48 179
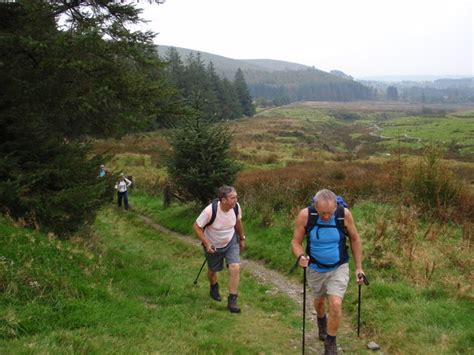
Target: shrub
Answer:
pixel 433 186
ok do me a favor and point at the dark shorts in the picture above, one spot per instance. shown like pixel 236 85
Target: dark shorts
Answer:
pixel 231 253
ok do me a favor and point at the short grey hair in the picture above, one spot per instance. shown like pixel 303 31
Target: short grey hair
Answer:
pixel 324 195
pixel 224 191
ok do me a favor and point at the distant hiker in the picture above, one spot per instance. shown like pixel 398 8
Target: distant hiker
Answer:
pixel 122 190
pixel 220 229
pixel 103 171
pixel 327 258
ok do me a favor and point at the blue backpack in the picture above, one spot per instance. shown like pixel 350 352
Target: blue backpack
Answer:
pixel 339 218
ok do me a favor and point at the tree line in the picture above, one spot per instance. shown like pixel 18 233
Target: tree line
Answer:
pixel 287 86
pixel 199 87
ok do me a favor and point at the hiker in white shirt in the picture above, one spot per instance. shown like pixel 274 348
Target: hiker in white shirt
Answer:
pixel 222 238
pixel 122 190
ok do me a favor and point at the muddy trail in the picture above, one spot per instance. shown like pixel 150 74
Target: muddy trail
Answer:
pixel 279 283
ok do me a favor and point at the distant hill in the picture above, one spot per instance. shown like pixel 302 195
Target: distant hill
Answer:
pixel 275 65
pixel 340 74
pixel 282 81
pixel 411 78
pixel 228 66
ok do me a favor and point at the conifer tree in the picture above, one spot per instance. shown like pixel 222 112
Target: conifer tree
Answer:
pixel 243 93
pixel 231 108
pixel 200 160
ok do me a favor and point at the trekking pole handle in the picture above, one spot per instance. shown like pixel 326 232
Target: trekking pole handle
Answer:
pixel 362 276
pixel 297 262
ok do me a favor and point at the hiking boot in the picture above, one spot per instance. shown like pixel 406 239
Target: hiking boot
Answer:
pixel 232 304
pixel 330 347
pixel 215 295
pixel 322 327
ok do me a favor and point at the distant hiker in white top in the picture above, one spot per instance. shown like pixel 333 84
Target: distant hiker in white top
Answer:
pixel 122 190
pixel 220 229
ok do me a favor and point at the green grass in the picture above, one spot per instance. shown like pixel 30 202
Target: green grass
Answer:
pixel 416 131
pixel 132 292
pixel 412 320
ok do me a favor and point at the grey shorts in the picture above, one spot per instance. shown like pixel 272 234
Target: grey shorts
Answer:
pixel 329 283
pixel 231 253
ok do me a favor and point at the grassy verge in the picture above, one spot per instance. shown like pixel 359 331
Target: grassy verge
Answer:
pixel 129 291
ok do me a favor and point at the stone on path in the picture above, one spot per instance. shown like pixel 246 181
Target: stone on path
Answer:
pixel 373 346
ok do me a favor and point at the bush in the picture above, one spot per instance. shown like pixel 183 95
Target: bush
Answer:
pixel 433 186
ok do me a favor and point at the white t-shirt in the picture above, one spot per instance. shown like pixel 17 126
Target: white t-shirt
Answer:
pixel 221 231
pixel 123 184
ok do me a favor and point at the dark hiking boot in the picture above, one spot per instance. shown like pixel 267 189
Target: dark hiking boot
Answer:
pixel 232 304
pixel 322 327
pixel 330 347
pixel 215 292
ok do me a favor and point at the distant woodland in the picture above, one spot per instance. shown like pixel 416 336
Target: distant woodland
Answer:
pixel 275 82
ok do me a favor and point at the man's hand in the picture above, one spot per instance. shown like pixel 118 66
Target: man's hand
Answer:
pixel 210 249
pixel 242 244
pixel 360 277
pixel 303 261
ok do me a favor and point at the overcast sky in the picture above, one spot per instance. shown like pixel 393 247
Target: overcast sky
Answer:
pixel 359 37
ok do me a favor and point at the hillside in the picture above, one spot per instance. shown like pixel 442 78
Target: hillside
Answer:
pixel 283 82
pixel 228 66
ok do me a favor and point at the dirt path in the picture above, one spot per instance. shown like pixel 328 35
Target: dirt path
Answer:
pixel 279 284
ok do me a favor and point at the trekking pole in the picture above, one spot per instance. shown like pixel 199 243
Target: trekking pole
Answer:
pixel 199 273
pixel 293 268
pixel 366 282
pixel 202 266
pixel 304 309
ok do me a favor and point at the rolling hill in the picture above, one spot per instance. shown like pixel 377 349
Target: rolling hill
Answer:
pixel 280 81
pixel 227 66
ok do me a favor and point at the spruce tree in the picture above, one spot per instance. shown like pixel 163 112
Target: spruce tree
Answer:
pixel 200 158
pixel 243 93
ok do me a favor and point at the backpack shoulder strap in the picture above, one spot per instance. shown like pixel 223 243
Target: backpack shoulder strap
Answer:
pixel 236 210
pixel 312 219
pixel 214 213
pixel 340 213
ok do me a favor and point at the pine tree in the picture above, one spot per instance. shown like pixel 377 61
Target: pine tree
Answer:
pixel 243 93
pixel 230 103
pixel 200 160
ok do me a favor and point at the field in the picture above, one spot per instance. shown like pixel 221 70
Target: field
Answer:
pixel 304 132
